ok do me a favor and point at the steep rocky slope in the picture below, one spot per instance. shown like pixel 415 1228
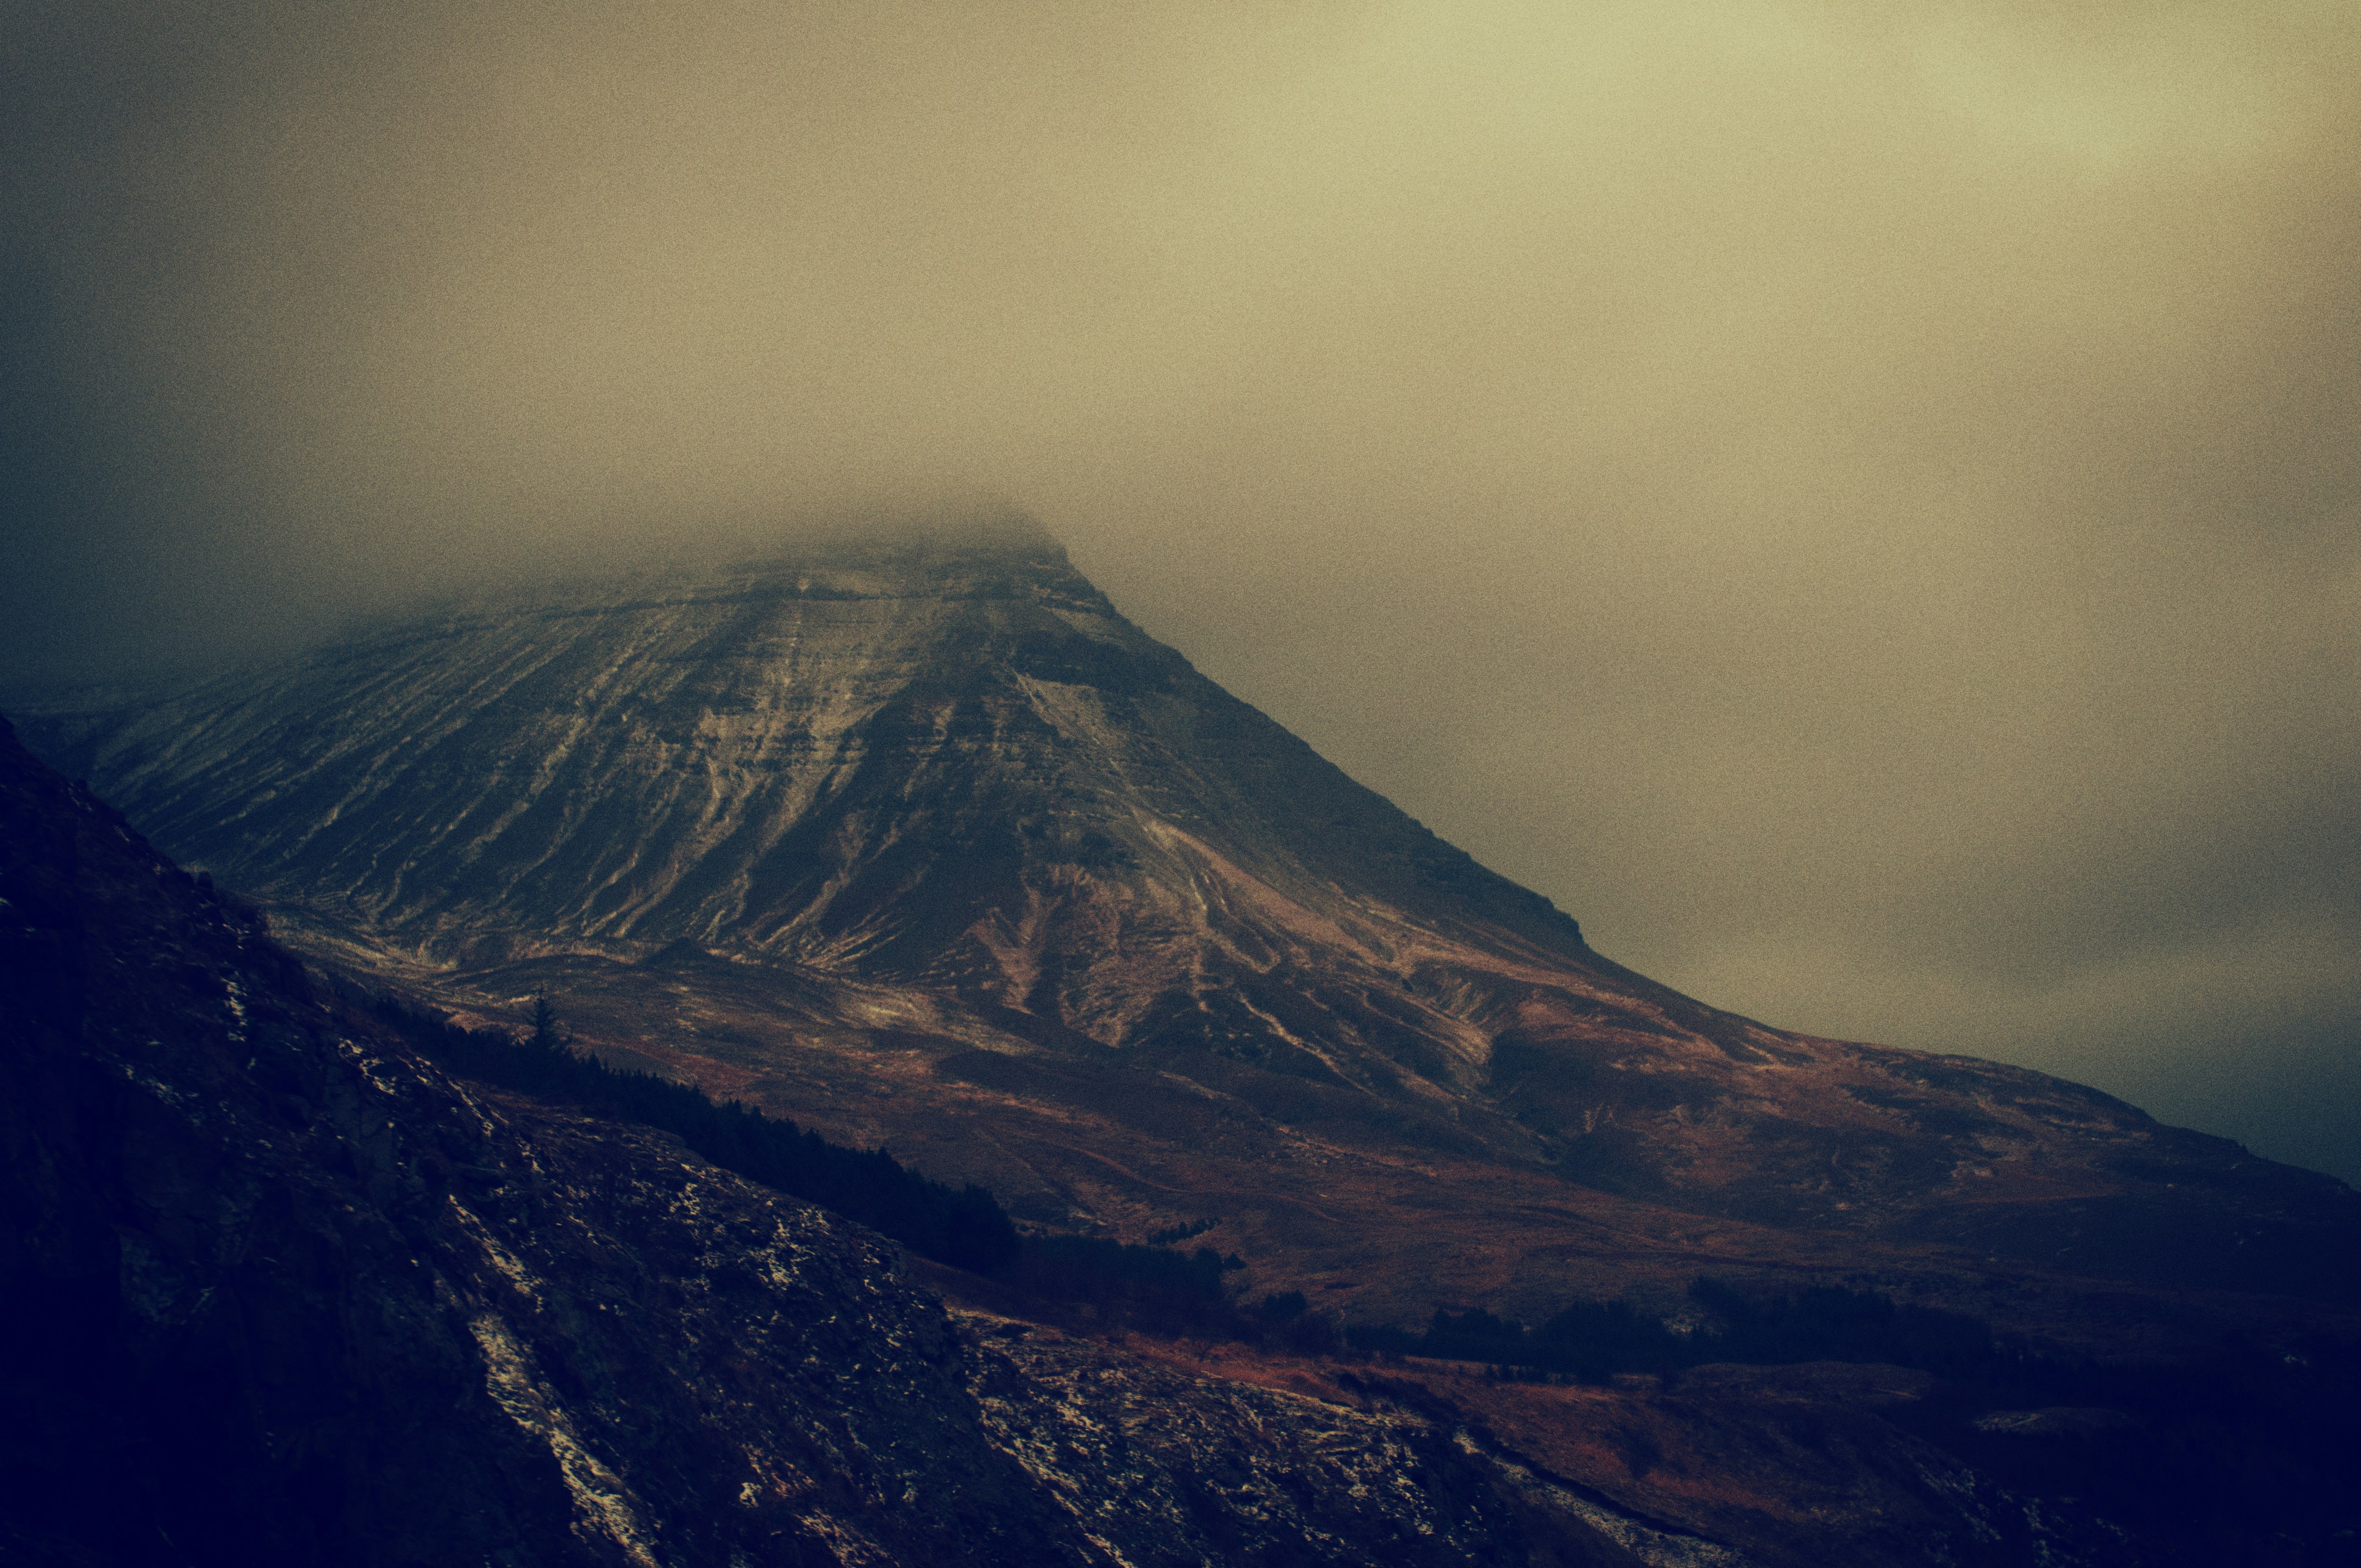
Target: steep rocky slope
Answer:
pixel 276 1293
pixel 925 843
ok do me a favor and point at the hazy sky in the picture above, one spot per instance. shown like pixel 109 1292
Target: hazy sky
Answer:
pixel 1862 504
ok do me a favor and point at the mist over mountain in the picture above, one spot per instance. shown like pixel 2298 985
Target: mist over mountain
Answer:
pixel 1860 503
pixel 798 760
pixel 919 842
pixel 1618 553
pixel 929 815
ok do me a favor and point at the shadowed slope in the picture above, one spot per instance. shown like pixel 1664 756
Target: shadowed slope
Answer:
pixel 281 1293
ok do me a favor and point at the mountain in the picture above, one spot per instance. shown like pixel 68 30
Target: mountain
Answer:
pixel 280 1292
pixel 921 842
pixel 276 1291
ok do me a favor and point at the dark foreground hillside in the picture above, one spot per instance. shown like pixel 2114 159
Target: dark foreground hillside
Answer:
pixel 278 1290
pixel 276 1293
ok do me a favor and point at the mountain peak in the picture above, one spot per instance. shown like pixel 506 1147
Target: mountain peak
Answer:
pixel 915 837
pixel 750 757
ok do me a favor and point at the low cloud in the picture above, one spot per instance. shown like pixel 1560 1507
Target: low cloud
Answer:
pixel 1860 507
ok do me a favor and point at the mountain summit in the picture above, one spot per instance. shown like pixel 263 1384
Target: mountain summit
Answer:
pixel 922 840
pixel 928 763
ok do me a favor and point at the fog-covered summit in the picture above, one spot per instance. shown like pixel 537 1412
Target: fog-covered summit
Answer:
pixel 895 747
pixel 933 794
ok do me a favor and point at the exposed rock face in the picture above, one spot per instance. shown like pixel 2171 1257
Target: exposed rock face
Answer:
pixel 276 1293
pixel 929 845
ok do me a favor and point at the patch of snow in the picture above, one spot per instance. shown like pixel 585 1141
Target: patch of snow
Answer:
pixel 602 1502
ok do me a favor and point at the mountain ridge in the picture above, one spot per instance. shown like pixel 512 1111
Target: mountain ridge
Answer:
pixel 924 842
pixel 1075 637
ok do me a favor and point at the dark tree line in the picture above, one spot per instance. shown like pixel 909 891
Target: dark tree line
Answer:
pixel 1591 1340
pixel 1153 1287
pixel 963 1226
